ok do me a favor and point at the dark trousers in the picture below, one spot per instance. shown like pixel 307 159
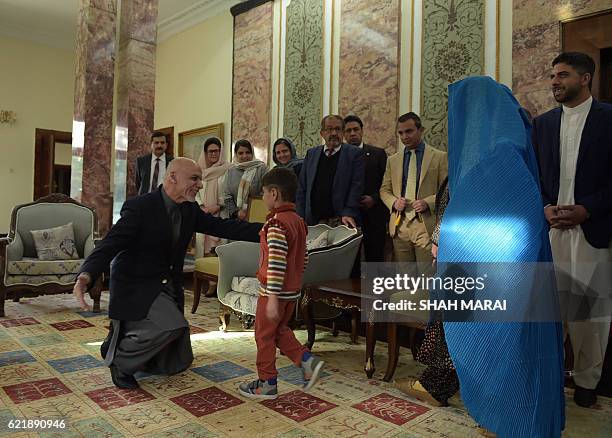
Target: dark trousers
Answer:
pixel 375 224
pixel 374 229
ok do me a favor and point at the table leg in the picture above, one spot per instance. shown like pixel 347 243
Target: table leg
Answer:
pixel 370 345
pixel 197 287
pixel 306 305
pixel 355 316
pixel 335 329
pixel 393 351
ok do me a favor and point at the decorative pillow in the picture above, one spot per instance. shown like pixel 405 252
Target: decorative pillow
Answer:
pixel 321 241
pixel 55 243
pixel 246 285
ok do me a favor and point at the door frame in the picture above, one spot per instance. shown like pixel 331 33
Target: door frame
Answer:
pixel 44 158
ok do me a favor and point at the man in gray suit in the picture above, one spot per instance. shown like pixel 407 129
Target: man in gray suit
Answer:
pixel 151 168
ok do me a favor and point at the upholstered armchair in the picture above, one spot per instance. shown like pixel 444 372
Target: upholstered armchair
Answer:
pixel 23 273
pixel 206 272
pixel 332 252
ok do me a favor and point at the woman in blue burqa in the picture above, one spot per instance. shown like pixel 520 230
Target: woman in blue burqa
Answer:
pixel 510 373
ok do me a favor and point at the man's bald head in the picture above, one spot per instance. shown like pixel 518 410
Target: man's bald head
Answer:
pixel 183 180
pixel 179 163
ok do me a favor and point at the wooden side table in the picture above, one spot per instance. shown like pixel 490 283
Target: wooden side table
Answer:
pixel 345 295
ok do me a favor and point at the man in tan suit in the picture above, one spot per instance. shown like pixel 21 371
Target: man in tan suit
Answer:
pixel 412 179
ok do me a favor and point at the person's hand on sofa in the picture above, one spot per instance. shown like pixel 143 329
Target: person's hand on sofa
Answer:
pixel 349 222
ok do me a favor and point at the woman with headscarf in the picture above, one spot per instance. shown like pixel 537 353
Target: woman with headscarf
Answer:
pixel 213 167
pixel 243 180
pixel 510 372
pixel 284 154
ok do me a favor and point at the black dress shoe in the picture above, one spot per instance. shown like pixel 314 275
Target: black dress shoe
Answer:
pixel 122 380
pixel 585 398
pixel 106 343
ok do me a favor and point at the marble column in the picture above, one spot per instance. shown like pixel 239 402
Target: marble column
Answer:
pixel 93 107
pixel 135 93
pixel 369 67
pixel 252 85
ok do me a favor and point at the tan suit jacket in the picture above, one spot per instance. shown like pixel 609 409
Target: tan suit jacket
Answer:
pixel 434 169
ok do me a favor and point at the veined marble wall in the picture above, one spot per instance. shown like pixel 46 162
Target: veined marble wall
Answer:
pixel 93 108
pixel 453 48
pixel 536 42
pixel 372 58
pixel 252 88
pixel 135 94
pixel 369 67
pixel 303 73
pixel 135 90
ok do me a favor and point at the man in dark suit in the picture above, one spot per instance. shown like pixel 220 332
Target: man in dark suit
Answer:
pixel 573 144
pixel 151 168
pixel 375 215
pixel 147 248
pixel 331 180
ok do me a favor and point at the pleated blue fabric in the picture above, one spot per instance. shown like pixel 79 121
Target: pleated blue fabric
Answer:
pixel 510 373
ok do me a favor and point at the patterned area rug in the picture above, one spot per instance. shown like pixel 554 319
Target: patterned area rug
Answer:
pixel 50 368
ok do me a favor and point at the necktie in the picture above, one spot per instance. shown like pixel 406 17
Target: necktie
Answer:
pixel 411 183
pixel 155 175
pixel 329 152
pixel 175 221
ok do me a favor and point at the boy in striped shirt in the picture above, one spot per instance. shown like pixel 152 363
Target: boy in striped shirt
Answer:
pixel 283 257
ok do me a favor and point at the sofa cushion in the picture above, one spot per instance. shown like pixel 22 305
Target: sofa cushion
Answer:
pixel 208 265
pixel 55 243
pixel 241 302
pixel 39 279
pixel 320 241
pixel 29 266
pixel 246 285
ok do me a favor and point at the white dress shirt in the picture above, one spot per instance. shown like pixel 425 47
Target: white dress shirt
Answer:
pixel 336 149
pixel 162 169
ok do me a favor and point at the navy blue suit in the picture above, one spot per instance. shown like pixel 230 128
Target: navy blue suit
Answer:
pixel 347 187
pixel 593 181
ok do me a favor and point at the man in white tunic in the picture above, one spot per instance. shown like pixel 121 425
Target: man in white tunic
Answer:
pixel 574 148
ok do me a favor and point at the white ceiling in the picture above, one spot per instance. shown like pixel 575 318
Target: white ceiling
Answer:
pixel 53 22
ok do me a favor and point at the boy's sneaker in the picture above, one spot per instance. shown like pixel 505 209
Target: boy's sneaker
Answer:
pixel 258 389
pixel 311 369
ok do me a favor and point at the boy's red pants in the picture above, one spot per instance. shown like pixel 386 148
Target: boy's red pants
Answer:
pixel 271 334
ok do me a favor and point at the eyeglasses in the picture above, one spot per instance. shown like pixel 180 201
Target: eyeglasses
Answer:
pixel 214 151
pixel 333 129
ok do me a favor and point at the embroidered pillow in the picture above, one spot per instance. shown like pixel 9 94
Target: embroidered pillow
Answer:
pixel 321 241
pixel 55 243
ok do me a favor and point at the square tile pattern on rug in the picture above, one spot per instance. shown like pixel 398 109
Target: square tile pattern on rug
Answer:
pixel 50 367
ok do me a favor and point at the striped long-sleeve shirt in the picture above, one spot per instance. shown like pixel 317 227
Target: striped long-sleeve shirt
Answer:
pixel 283 255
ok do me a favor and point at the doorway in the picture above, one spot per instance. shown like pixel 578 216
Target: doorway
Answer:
pixel 52 157
pixel 592 34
